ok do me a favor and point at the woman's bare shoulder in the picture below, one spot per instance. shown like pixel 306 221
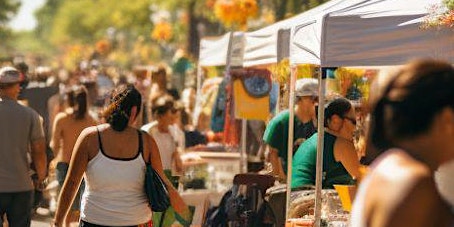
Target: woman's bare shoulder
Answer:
pixel 400 185
pixel 60 116
pixel 89 133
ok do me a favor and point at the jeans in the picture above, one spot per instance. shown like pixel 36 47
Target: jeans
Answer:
pixel 61 171
pixel 17 206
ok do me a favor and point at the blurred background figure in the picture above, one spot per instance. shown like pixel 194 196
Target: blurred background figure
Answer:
pixel 41 87
pixel 180 66
pixel 276 132
pixel 143 85
pixel 67 127
pixel 164 113
pixel 412 130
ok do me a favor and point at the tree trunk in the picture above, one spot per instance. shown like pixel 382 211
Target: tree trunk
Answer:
pixel 193 34
pixel 280 9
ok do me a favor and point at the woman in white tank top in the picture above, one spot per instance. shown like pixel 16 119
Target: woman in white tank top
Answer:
pixel 112 159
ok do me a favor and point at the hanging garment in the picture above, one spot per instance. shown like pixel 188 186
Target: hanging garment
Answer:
pixel 251 89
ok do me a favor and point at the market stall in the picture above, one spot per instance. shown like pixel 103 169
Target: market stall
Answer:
pixel 367 33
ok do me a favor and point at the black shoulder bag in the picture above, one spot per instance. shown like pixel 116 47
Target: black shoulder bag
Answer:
pixel 155 189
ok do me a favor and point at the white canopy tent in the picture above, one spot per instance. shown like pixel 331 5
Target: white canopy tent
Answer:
pixel 367 33
pixel 260 47
pixel 266 45
pixel 214 50
pixel 226 50
pixel 383 32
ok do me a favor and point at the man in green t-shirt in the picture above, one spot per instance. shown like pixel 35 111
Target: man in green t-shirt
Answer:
pixel 276 133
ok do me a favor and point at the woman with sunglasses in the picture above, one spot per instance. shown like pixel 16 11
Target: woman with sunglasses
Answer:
pixel 165 115
pixel 340 160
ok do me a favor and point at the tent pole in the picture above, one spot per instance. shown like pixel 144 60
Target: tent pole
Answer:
pixel 291 122
pixel 320 145
pixel 243 155
pixel 196 113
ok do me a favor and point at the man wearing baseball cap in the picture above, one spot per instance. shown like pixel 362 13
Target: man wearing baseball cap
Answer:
pixel 276 133
pixel 21 130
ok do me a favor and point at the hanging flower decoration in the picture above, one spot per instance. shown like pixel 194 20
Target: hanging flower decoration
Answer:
pixel 235 12
pixel 447 19
pixel 102 46
pixel 210 3
pixel 440 15
pixel 162 32
pixel 306 71
pixel 280 71
pixel 353 83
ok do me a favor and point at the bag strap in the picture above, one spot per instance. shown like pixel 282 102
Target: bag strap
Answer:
pixel 161 221
pixel 139 132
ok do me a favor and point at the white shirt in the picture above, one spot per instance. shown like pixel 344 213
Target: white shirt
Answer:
pixel 114 193
pixel 166 144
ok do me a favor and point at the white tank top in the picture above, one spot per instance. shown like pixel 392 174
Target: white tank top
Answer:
pixel 114 191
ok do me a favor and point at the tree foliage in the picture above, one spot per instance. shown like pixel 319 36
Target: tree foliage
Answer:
pixel 287 8
pixel 66 24
pixel 86 20
pixel 8 8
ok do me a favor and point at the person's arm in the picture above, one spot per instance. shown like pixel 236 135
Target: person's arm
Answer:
pixel 85 143
pixel 38 149
pixel 55 142
pixel 273 157
pixel 176 157
pixel 38 154
pixel 155 159
pixel 344 151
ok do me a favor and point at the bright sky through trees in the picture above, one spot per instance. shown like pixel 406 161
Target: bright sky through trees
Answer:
pixel 25 19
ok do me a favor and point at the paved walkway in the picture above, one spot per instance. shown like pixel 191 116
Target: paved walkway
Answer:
pixel 42 218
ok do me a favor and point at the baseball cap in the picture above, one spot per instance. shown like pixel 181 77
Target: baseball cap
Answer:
pixel 306 87
pixel 10 75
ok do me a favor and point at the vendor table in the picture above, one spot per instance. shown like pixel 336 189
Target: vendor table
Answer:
pixel 221 167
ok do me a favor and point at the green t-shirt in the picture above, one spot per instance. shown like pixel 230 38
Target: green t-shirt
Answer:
pixel 305 161
pixel 276 134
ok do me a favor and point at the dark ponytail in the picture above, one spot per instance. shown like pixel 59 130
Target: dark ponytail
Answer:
pixel 118 113
pixel 77 99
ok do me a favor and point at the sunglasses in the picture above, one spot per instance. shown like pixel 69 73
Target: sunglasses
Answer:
pixel 352 120
pixel 312 98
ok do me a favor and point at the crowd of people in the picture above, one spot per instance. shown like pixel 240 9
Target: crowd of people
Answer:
pixel 97 134
pixel 44 114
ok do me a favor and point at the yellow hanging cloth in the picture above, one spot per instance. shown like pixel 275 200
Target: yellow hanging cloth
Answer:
pixel 248 107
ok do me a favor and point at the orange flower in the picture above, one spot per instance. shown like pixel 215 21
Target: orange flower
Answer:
pixel 102 46
pixel 447 19
pixel 162 32
pixel 235 12
pixel 210 3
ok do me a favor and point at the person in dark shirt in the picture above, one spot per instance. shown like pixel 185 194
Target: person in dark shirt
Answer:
pixel 276 132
